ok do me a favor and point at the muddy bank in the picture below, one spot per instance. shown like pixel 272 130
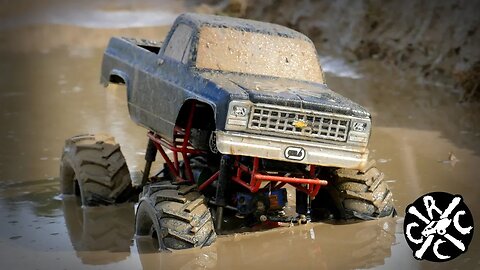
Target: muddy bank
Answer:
pixel 435 41
pixel 438 40
pixel 50 90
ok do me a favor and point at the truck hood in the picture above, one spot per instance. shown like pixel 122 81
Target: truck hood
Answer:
pixel 286 92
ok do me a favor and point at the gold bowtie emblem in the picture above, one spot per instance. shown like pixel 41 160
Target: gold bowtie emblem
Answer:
pixel 300 124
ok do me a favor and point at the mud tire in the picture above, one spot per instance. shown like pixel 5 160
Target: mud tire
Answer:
pixel 94 168
pixel 176 215
pixel 361 194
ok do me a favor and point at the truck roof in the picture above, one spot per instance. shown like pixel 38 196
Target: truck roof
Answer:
pixel 199 20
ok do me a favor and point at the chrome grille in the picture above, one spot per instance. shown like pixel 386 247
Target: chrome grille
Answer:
pixel 318 126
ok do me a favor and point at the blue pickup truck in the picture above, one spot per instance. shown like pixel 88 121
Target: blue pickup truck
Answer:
pixel 237 109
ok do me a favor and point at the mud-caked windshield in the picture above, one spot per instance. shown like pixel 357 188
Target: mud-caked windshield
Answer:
pixel 239 51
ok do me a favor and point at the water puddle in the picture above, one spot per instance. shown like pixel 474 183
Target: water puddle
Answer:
pixel 423 139
pixel 121 14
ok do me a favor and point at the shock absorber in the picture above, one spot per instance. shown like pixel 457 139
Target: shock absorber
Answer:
pixel 223 179
pixel 301 204
pixel 150 156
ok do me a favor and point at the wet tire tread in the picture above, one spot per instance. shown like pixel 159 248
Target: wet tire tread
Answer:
pixel 184 219
pixel 362 194
pixel 99 167
pixel 169 198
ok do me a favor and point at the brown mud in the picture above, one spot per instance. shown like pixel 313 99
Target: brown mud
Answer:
pixel 423 139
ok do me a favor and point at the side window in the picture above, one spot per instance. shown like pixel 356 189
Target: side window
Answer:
pixel 178 43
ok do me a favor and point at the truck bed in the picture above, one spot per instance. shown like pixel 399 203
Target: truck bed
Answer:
pixel 150 45
pixel 125 59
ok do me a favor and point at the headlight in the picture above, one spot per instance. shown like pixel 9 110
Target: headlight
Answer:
pixel 359 132
pixel 238 112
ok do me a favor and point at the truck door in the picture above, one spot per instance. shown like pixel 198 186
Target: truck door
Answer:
pixel 166 81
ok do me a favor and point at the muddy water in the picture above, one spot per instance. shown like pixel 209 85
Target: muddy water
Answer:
pixel 423 140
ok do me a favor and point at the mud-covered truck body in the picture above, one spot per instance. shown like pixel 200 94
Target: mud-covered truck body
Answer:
pixel 260 85
pixel 238 110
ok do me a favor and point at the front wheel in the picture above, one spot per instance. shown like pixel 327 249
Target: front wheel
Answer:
pixel 359 194
pixel 175 216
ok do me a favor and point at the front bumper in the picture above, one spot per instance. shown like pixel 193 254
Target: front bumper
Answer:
pixel 290 150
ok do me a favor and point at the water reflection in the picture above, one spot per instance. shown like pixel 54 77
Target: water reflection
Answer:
pixel 103 235
pixel 312 246
pixel 106 228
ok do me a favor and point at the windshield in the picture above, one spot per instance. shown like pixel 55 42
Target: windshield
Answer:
pixel 239 51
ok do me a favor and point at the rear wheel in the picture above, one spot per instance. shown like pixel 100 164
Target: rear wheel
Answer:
pixel 175 215
pixel 94 168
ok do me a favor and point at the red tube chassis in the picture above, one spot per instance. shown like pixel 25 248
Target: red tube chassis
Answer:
pixel 181 145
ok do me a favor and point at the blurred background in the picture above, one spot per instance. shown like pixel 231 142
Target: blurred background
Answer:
pixel 414 64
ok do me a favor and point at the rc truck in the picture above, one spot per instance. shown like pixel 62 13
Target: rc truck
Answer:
pixel 238 110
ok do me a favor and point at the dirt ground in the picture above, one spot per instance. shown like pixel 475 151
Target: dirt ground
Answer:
pixel 423 139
